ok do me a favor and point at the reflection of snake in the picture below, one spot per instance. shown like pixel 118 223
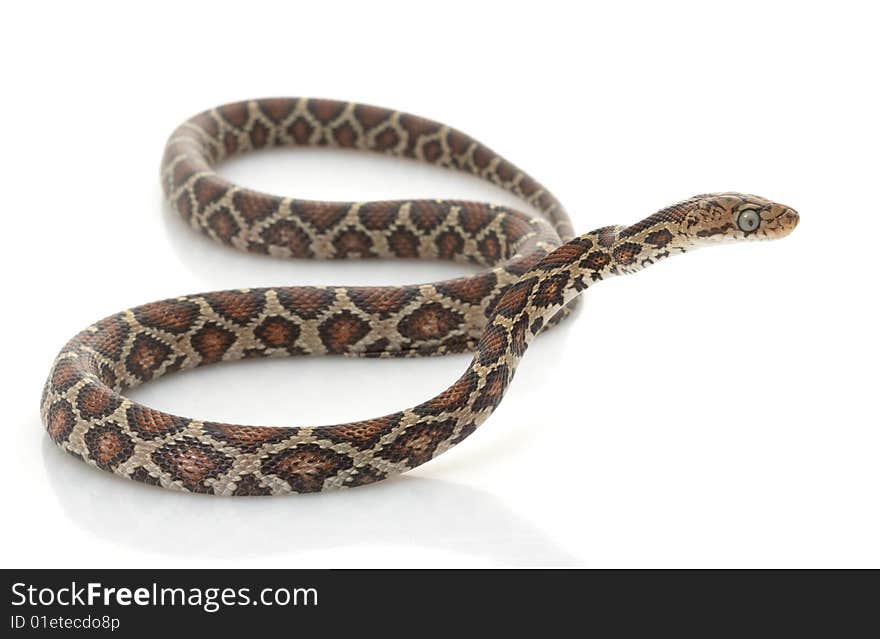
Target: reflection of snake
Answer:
pixel 176 525
pixel 537 269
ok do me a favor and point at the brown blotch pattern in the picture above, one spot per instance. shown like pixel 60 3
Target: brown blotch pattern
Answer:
pixel 519 336
pixel 341 331
pixel 383 302
pixel 363 434
pixel 626 253
pixel 363 475
pixel 235 114
pixel 253 206
pixel 191 462
pixel 95 402
pixel 387 140
pixel 551 290
pixel 306 466
pixel 345 135
pixel 474 217
pixel 468 289
pixel 566 254
pixel 353 243
pixel 515 299
pixel 370 116
pixel 239 306
pixel 208 190
pixel 427 216
pixel 490 248
pixel 108 337
pixel 287 234
pixel 597 260
pixel 60 421
pixel 377 216
pixel 306 302
pixel 321 217
pixel 431 321
pixel 278 332
pixel 211 342
pixel 301 131
pixel 259 135
pixel 247 438
pixel 230 143
pixel 417 444
pixel 493 389
pixel 659 238
pixel 146 357
pixel 172 316
pixel 223 224
pixel 150 424
pixel 276 109
pixel 65 374
pixel 449 244
pixel 403 243
pixel 492 345
pixel 325 111
pixel 453 398
pixel 108 446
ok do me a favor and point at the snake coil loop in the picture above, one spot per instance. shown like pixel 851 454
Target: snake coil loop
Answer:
pixel 534 269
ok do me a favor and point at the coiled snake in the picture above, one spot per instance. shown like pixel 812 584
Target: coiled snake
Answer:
pixel 534 270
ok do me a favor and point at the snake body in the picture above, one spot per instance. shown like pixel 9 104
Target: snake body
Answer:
pixel 534 270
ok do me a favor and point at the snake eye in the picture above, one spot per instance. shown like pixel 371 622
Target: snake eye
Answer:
pixel 748 220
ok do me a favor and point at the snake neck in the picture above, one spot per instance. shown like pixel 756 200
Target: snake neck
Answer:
pixel 542 292
pixel 614 250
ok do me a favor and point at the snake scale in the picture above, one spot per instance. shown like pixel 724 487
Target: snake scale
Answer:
pixel 534 268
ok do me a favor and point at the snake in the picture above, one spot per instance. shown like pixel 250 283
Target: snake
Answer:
pixel 532 269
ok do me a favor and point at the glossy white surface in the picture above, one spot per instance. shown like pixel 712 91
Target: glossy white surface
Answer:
pixel 715 410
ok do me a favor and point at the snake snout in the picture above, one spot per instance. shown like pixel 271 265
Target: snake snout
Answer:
pixel 786 220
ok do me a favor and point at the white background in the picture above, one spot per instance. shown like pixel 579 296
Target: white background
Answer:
pixel 715 410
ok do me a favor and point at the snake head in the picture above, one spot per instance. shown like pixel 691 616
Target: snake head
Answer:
pixel 724 217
